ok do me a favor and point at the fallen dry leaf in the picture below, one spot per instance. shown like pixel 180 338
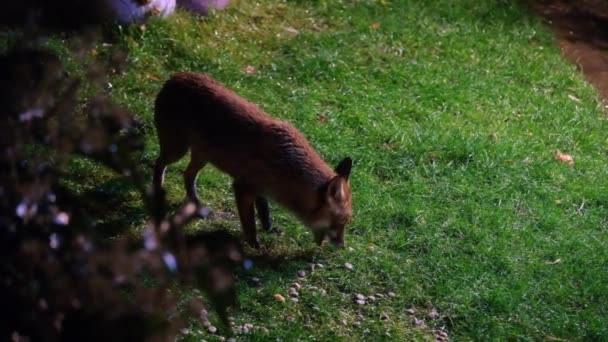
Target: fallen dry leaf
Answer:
pixel 375 25
pixel 249 70
pixel 564 158
pixel 279 297
pixel 154 78
pixel 322 117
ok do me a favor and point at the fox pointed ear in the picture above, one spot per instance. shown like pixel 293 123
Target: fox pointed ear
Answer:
pixel 343 168
pixel 335 188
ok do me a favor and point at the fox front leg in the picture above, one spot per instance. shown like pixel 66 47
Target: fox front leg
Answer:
pixel 244 204
pixel 263 209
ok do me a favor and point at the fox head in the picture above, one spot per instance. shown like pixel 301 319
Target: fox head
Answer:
pixel 335 209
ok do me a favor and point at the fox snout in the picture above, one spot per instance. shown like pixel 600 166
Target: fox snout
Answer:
pixel 334 235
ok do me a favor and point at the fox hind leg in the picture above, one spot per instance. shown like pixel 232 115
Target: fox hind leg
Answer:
pixel 171 150
pixel 197 162
pixel 245 199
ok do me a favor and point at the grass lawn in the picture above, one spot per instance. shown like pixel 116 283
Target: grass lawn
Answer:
pixel 452 112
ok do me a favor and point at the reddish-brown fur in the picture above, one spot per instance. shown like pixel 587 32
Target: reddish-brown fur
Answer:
pixel 266 157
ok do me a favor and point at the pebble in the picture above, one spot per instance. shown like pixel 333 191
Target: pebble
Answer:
pixel 320 266
pixel 344 322
pixel 371 298
pixel 290 319
pixel 349 266
pixel 301 274
pixel 296 286
pixel 279 297
pixel 294 299
pixel 410 311
pixel 360 317
pixel 232 339
pixel 360 302
pixel 248 326
pixel 294 294
pixel 359 296
pixel 204 314
pixel 391 294
pixel 418 322
pixel 371 249
pixel 356 324
pixel 433 314
pixel 206 324
pixel 379 295
pixel 212 329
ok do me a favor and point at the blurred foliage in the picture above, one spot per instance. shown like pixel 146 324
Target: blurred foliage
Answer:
pixel 59 279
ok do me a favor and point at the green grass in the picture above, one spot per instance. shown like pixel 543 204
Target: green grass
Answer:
pixel 452 111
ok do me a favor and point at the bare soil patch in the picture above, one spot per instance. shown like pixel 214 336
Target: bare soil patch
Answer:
pixel 581 31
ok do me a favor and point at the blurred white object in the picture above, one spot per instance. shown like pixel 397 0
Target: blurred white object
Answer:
pixel 138 11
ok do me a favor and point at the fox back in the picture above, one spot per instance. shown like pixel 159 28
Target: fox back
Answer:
pixel 266 157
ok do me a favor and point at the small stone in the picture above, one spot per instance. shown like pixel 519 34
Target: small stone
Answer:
pixel 371 249
pixel 349 266
pixel 360 317
pixel 204 314
pixel 433 314
pixel 350 249
pixel 344 322
pixel 391 294
pixel 356 324
pixel 232 339
pixel 410 311
pixel 212 329
pixel 418 322
pixel 379 295
pixel 248 326
pixel 279 297
pixel 206 324
pixel 301 274
pixel 360 302
pixel 294 299
pixel 359 296
pixel 294 295
pixel 292 290
pixel 322 292
pixel 441 332
pixel 371 299
pixel 264 330
pixel 290 319
pixel 320 266
pixel 296 286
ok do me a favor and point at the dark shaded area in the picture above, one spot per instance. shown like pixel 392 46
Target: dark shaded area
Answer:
pixel 581 31
pixel 60 280
pixel 64 15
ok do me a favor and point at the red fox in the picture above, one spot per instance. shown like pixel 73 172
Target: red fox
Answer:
pixel 266 157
